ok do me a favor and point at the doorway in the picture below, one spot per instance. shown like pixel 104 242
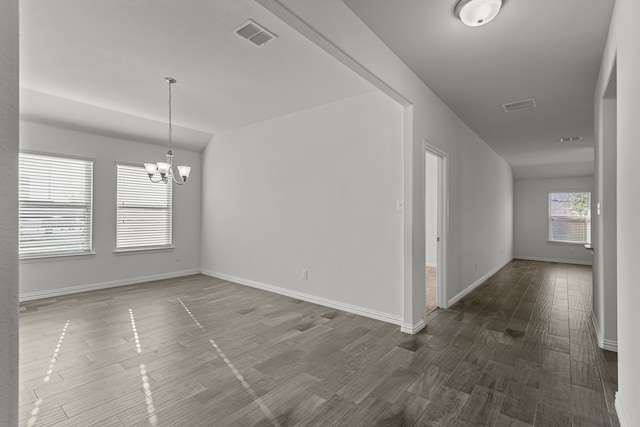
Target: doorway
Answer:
pixel 434 209
pixel 431 229
pixel 605 263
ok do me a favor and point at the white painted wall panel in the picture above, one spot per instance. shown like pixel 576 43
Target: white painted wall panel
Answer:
pixel 622 49
pixel 486 211
pixel 314 190
pixel 9 213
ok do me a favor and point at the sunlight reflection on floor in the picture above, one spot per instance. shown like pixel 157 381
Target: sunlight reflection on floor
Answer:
pixel 233 369
pixel 47 376
pixel 135 331
pixel 151 410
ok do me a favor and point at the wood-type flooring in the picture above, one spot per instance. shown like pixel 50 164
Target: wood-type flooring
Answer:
pixel 198 351
pixel 432 289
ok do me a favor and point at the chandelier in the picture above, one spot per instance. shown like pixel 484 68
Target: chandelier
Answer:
pixel 164 170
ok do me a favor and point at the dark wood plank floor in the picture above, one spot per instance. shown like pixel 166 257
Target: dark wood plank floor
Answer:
pixel 198 351
pixel 432 288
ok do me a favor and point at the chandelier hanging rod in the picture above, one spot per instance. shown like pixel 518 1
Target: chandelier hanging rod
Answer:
pixel 165 169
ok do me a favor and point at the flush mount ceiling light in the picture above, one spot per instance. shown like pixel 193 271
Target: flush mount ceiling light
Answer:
pixel 477 12
pixel 165 169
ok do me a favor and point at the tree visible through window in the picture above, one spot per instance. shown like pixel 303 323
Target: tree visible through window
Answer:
pixel 570 217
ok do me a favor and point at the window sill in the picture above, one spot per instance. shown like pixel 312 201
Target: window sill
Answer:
pixel 56 257
pixel 146 249
pixel 562 242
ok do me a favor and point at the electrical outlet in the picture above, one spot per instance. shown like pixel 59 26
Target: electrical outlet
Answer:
pixel 305 274
pixel 177 257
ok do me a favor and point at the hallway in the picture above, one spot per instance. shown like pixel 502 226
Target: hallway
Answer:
pixel 199 351
pixel 534 356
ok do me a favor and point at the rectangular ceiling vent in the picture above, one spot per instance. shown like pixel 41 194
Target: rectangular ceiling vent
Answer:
pixel 519 105
pixel 571 139
pixel 255 33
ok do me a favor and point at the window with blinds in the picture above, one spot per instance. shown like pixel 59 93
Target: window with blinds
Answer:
pixel 55 206
pixel 570 217
pixel 143 211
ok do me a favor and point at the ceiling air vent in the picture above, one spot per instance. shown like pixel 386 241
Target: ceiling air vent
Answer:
pixel 255 33
pixel 519 105
pixel 571 139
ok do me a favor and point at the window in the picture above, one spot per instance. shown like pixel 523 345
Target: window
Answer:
pixel 144 210
pixel 55 206
pixel 570 217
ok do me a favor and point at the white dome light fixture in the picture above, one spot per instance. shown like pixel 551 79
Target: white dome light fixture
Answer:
pixel 475 13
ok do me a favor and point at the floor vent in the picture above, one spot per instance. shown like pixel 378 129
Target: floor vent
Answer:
pixel 519 105
pixel 255 33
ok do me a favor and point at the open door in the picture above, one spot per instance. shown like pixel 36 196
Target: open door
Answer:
pixel 431 229
pixel 435 163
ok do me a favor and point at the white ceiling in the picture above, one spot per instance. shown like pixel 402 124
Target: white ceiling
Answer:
pixel 549 50
pixel 99 66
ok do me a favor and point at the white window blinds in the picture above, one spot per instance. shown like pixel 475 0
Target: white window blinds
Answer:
pixel 55 205
pixel 144 210
pixel 570 217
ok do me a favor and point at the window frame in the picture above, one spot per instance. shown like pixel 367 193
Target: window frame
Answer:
pixel 569 217
pixel 144 247
pixel 86 242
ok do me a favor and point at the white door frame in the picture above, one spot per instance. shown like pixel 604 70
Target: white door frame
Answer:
pixel 443 218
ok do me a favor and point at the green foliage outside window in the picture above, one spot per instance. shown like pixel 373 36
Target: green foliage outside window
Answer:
pixel 579 204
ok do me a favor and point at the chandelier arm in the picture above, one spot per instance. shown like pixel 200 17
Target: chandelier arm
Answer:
pixel 176 181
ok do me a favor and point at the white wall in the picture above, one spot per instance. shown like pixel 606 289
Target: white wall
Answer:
pixel 531 220
pixel 336 29
pixel 485 222
pixel 431 210
pixel 312 190
pixel 622 49
pixel 9 213
pixel 39 278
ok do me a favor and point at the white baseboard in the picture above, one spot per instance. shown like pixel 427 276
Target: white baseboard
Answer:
pixel 360 311
pixel 557 260
pixel 29 296
pixel 413 329
pixel 608 344
pixel 603 343
pixel 475 285
pixel 622 415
